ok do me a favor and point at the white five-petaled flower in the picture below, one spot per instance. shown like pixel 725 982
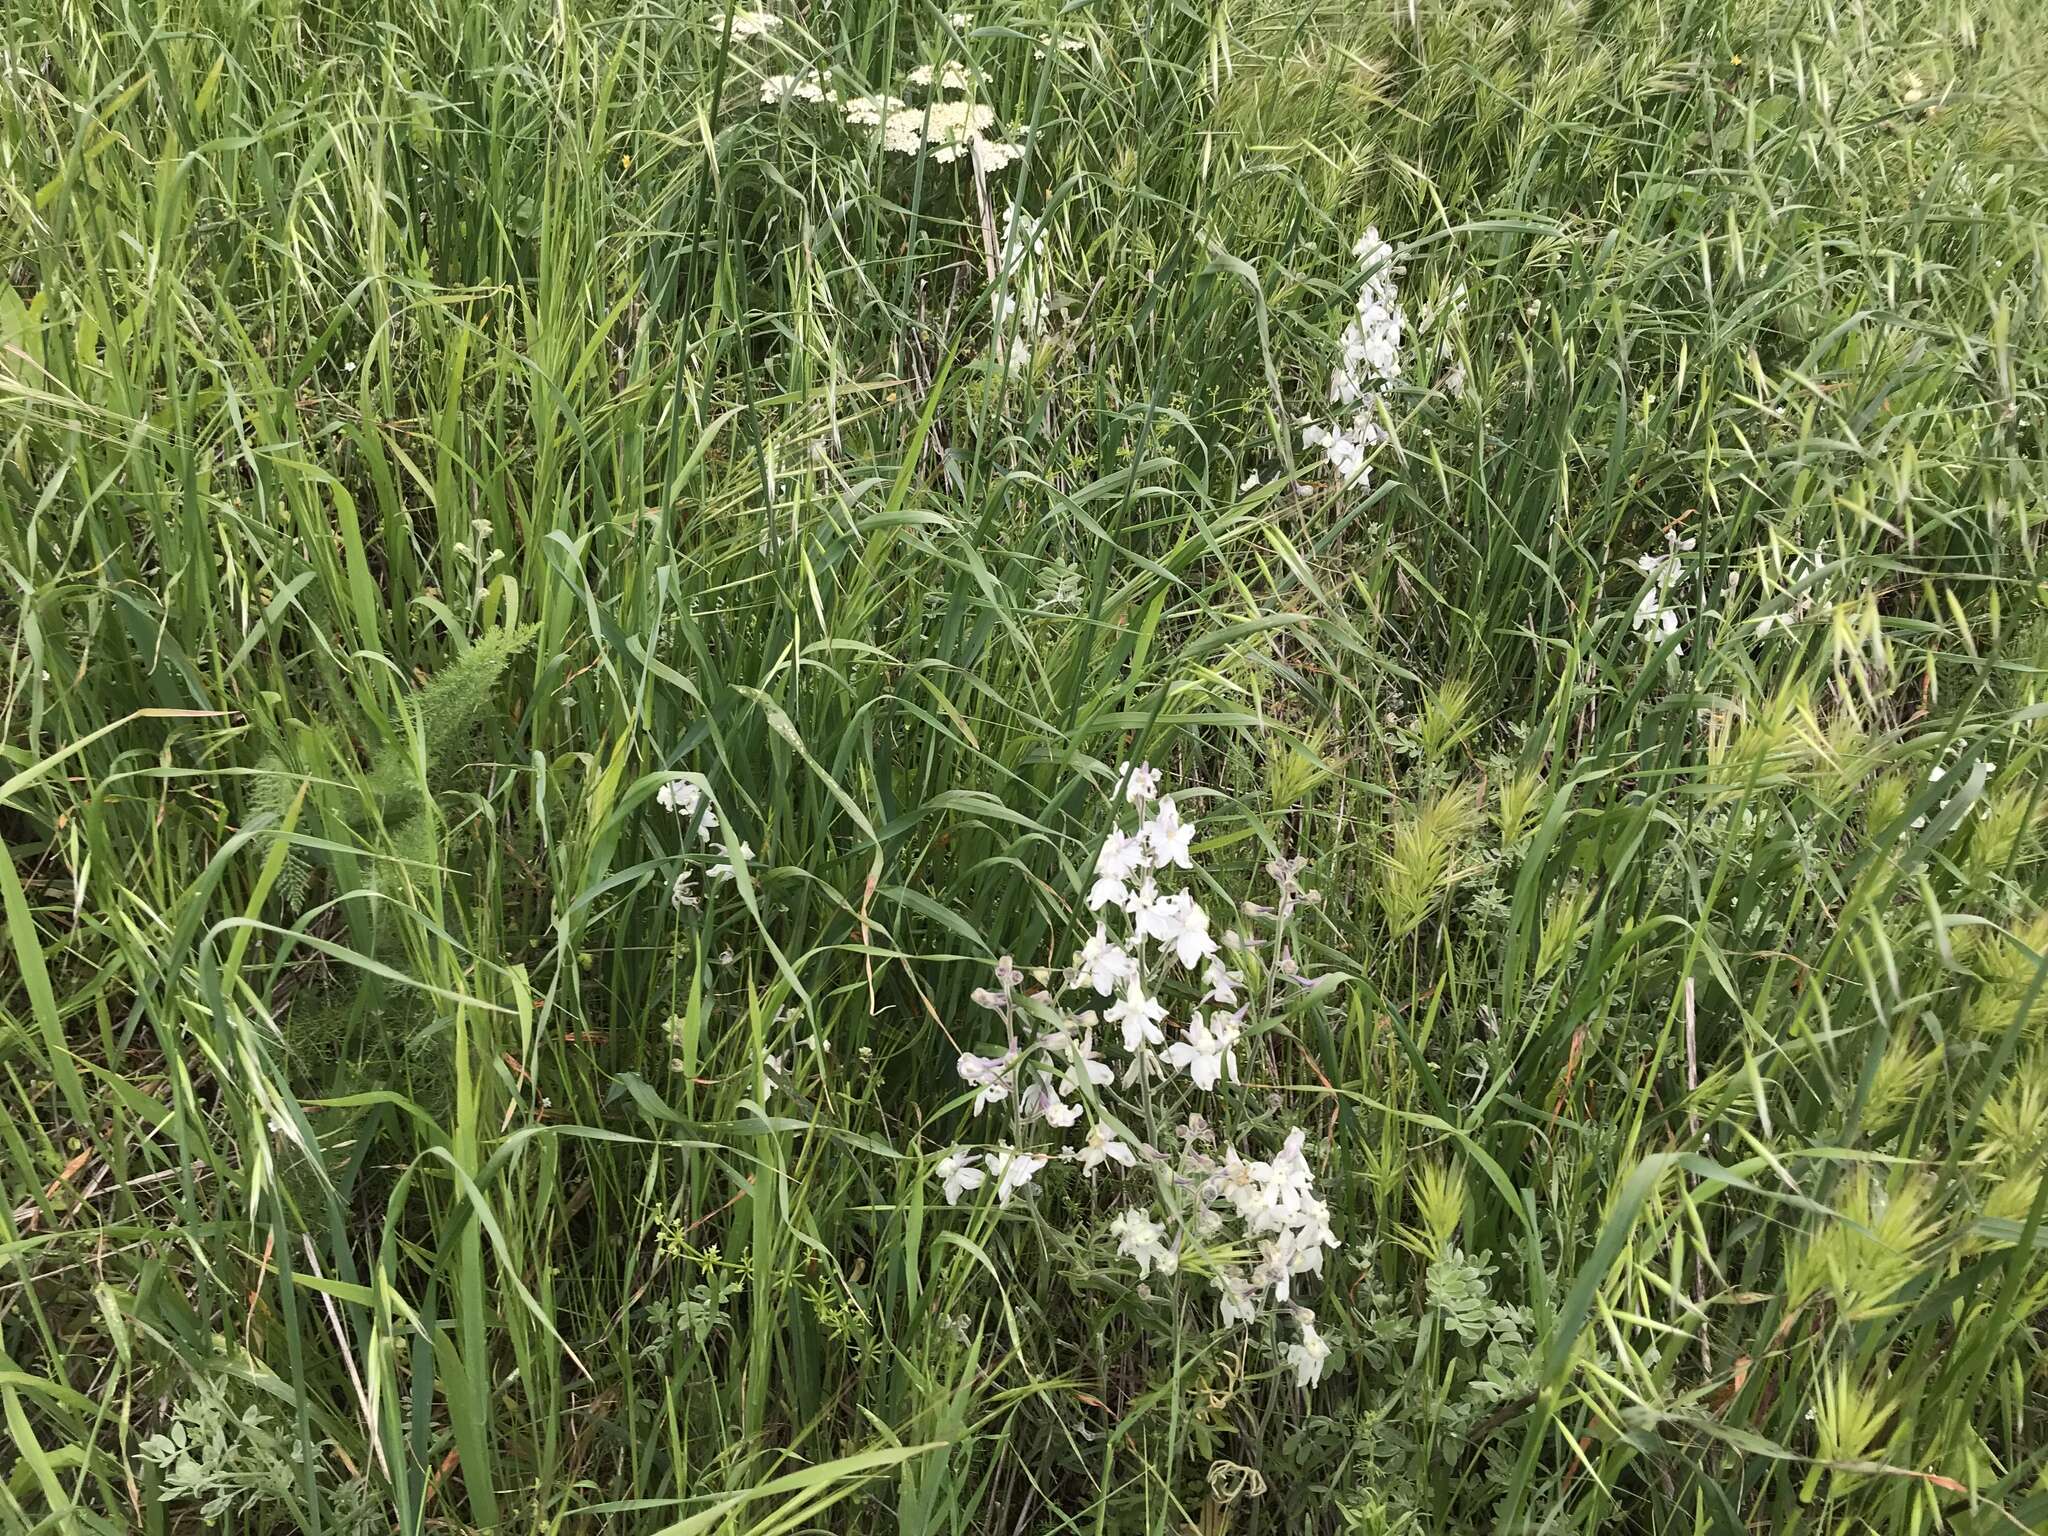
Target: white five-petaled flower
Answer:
pixel 723 869
pixel 1239 1300
pixel 1138 1016
pixel 1978 777
pixel 1084 1066
pixel 1306 1359
pixel 1368 363
pixel 1141 784
pixel 1167 837
pixel 1013 1171
pixel 987 1075
pixel 1041 1099
pixel 957 1173
pixel 1104 964
pixel 687 801
pixel 1208 1051
pixel 1655 616
pixel 1103 1147
pixel 1179 923
pixel 1222 983
pixel 1140 1238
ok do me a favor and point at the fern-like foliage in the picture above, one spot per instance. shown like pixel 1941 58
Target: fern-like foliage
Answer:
pixel 440 719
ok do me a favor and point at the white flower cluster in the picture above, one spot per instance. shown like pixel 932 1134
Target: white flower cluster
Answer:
pixel 747 24
pixel 953 130
pixel 1656 617
pixel 689 802
pixel 1023 307
pixel 953 76
pixel 1369 360
pixel 1153 941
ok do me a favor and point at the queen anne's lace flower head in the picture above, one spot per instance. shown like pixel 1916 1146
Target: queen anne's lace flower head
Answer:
pixel 953 76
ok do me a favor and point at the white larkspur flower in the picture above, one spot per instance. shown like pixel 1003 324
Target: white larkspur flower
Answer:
pixel 683 893
pixel 1140 1238
pixel 1138 1016
pixel 1803 572
pixel 1237 1298
pixel 1179 923
pixel 1368 363
pixel 1108 891
pixel 1141 784
pixel 687 801
pixel 1306 1359
pixel 723 869
pixel 1167 838
pixel 1084 1066
pixel 1013 1170
pixel 1121 857
pixel 987 1075
pixel 1104 964
pixel 1041 1100
pixel 1103 1147
pixel 957 1173
pixel 1979 776
pixel 1656 619
pixel 1207 1052
pixel 1222 983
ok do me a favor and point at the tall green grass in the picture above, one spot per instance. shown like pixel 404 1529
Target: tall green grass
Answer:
pixel 425 430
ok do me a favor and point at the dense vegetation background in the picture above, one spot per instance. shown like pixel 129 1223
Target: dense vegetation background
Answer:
pixel 426 430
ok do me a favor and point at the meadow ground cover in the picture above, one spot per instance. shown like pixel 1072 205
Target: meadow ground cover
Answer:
pixel 1253 766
